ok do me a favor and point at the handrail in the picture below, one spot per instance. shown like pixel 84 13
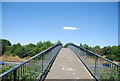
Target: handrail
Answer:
pixel 99 67
pixel 21 64
pixel 96 54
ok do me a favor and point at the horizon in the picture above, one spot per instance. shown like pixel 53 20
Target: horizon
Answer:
pixel 61 42
pixel 91 23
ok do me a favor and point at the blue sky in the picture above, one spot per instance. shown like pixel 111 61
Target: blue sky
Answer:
pixel 96 23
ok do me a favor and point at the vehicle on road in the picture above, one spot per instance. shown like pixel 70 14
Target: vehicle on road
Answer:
pixel 2 63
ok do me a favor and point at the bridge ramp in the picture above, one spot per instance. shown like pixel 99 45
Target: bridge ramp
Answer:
pixel 68 66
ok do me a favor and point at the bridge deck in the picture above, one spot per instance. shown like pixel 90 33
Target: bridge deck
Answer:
pixel 68 66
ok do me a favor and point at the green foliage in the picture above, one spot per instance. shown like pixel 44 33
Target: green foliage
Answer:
pixel 59 42
pixel 98 50
pixel 24 51
pixel 114 50
pixel 66 45
pixel 86 46
pixel 111 57
pixel 112 53
pixel 0 50
pixel 34 51
pixel 109 75
pixel 15 47
pixel 39 44
pixel 3 44
pixel 106 50
pixel 21 52
pixel 4 69
pixel 31 45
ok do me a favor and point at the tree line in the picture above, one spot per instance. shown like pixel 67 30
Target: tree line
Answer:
pixel 110 52
pixel 23 50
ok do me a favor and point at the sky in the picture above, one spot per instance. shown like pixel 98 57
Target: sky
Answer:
pixel 60 0
pixel 92 23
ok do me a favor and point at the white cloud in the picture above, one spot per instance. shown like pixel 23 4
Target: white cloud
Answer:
pixel 70 28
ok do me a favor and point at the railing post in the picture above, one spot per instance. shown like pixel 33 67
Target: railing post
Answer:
pixel 14 75
pixel 42 62
pixel 118 72
pixel 41 77
pixel 96 65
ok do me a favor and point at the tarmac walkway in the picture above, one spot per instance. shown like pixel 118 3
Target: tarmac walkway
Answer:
pixel 68 66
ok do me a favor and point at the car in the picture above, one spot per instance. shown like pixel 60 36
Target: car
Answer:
pixel 106 64
pixel 2 63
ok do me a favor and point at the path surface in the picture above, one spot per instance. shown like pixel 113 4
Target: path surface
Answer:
pixel 68 66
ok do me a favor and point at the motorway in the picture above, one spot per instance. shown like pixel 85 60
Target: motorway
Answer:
pixel 7 64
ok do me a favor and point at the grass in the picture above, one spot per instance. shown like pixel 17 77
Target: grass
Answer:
pixel 6 58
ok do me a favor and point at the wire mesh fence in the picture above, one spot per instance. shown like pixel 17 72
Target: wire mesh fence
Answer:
pixel 100 67
pixel 33 68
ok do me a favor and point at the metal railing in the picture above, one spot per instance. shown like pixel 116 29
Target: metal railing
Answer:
pixel 101 68
pixel 34 68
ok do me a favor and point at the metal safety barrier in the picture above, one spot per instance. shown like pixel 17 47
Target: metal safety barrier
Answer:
pixel 34 68
pixel 100 68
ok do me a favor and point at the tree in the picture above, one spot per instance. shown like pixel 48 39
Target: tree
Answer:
pixel 81 45
pixel 8 51
pixel 3 44
pixel 0 49
pixel 118 54
pixel 92 49
pixel 66 45
pixel 15 47
pixel 98 50
pixel 34 51
pixel 39 44
pixel 114 50
pixel 48 44
pixel 58 42
pixel 106 50
pixel 21 52
pixel 86 46
pixel 31 45
pixel 111 57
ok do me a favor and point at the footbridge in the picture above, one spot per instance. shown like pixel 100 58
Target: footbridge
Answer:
pixel 67 64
